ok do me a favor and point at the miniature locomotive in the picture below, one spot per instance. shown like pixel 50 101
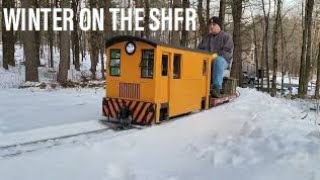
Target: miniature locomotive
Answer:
pixel 149 82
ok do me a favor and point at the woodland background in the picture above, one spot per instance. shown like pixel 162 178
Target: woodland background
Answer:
pixel 281 37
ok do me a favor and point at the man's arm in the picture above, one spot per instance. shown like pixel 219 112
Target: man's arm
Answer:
pixel 227 49
pixel 201 45
pixel 204 43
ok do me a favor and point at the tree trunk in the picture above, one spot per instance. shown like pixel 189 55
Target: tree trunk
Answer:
pixel 184 34
pixel 175 40
pixel 222 12
pixel 37 38
pixel 94 46
pixel 309 45
pixel 303 56
pixel 30 48
pixel 64 51
pixel 236 71
pixel 283 58
pixel 107 34
pixel 108 22
pixel 207 10
pixel 75 36
pixel 51 5
pixel 275 48
pixel 318 75
pixel 255 41
pixel 138 4
pixel 8 39
pixel 202 23
pixel 262 57
pixel 147 19
pixel 306 49
pixel 266 41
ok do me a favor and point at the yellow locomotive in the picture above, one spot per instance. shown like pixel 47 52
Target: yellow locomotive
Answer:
pixel 149 82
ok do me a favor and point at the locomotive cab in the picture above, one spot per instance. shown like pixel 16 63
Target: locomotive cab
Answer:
pixel 148 82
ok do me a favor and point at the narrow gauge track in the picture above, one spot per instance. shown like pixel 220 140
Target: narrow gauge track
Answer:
pixel 32 146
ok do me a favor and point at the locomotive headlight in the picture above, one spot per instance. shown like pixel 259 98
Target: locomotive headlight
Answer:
pixel 130 48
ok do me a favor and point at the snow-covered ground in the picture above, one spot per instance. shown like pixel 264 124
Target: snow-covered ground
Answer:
pixel 255 137
pixel 26 109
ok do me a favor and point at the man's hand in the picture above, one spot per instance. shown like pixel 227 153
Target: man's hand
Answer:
pixel 214 55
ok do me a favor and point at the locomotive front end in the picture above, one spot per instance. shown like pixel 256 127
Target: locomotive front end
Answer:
pixel 130 92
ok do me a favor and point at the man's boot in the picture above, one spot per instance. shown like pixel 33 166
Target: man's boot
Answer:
pixel 215 93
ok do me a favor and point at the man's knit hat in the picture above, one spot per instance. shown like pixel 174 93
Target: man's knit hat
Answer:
pixel 216 20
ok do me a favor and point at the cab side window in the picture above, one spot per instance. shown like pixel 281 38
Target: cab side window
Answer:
pixel 204 68
pixel 147 63
pixel 115 62
pixel 165 61
pixel 177 66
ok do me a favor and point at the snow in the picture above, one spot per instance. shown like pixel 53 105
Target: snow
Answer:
pixel 255 137
pixel 15 75
pixel 51 132
pixel 27 109
pixel 12 78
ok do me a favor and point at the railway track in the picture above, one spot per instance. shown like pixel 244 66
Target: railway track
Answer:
pixel 14 150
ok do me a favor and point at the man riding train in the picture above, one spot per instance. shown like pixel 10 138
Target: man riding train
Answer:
pixel 219 43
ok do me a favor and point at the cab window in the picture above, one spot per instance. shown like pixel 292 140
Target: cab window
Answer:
pixel 147 63
pixel 165 59
pixel 177 66
pixel 204 68
pixel 115 62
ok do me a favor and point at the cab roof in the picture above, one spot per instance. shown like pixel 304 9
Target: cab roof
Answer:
pixel 119 39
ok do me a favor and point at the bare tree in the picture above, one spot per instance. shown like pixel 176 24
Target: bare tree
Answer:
pixel 208 10
pixel 8 39
pixel 222 12
pixel 75 35
pixel 309 6
pixel 94 46
pixel 184 34
pixel 255 40
pixel 275 48
pixel 107 33
pixel 283 58
pixel 306 49
pixel 37 37
pixel 175 39
pixel 318 74
pixel 266 40
pixel 64 51
pixel 236 71
pixel 202 22
pixel 51 34
pixel 30 49
pixel 147 19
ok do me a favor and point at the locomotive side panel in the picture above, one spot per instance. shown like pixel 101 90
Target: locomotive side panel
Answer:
pixel 187 82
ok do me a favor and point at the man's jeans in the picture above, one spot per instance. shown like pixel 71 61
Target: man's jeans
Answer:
pixel 218 67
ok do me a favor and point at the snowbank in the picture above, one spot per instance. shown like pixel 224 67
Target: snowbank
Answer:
pixel 256 137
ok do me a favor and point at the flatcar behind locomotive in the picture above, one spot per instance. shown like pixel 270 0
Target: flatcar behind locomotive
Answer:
pixel 149 82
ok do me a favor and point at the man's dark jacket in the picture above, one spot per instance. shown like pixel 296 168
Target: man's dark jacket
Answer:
pixel 220 43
